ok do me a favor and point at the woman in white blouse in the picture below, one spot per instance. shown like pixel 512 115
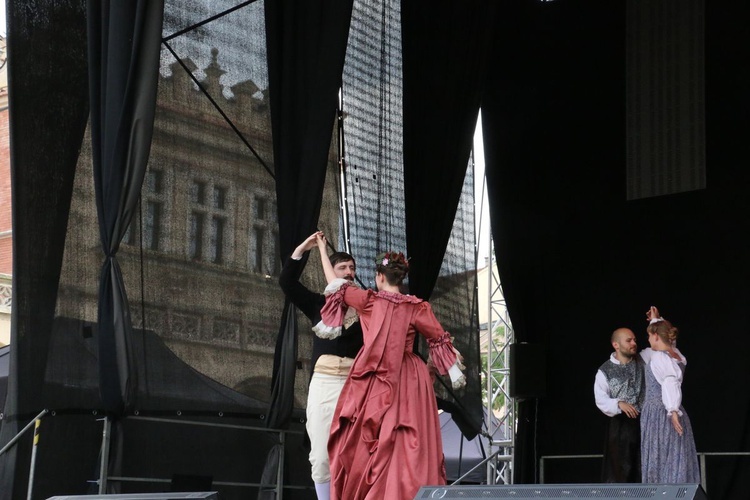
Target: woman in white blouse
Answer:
pixel 667 445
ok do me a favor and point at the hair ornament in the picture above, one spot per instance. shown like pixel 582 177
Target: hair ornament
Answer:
pixel 386 258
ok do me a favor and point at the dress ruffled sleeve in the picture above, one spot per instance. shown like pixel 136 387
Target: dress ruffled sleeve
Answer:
pixel 446 359
pixel 443 356
pixel 669 375
pixel 333 312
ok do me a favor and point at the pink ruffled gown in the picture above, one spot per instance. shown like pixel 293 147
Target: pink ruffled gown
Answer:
pixel 385 440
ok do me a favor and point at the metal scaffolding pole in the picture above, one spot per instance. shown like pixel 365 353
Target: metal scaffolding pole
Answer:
pixel 499 338
pixel 495 342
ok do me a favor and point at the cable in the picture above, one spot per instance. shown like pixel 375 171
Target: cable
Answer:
pixel 206 21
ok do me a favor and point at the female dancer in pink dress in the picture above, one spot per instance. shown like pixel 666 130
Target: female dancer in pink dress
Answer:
pixel 385 440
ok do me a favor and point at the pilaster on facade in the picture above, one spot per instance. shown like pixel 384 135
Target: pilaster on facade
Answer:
pixel 6 303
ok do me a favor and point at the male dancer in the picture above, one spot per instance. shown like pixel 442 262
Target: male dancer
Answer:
pixel 331 358
pixel 619 392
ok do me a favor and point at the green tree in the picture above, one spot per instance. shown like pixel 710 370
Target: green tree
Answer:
pixel 498 369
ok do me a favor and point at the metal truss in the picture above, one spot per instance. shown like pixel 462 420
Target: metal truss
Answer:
pixel 497 377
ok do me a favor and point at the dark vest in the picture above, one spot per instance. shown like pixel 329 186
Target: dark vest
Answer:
pixel 626 382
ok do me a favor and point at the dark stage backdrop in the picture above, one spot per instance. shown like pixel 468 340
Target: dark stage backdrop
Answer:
pixel 578 260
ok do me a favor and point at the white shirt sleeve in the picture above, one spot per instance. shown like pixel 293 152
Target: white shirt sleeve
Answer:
pixel 604 402
pixel 668 374
pixel 646 354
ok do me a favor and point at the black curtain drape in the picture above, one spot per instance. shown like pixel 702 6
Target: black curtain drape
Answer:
pixel 48 107
pixel 444 56
pixel 306 44
pixel 524 89
pixel 124 48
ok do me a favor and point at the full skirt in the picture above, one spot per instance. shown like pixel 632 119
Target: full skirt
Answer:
pixel 385 440
pixel 667 457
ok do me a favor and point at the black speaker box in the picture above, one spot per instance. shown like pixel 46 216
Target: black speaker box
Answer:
pixel 528 371
pixel 566 491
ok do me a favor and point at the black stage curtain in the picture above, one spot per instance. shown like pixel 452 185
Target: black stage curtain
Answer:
pixel 124 45
pixel 515 135
pixel 444 56
pixel 306 44
pixel 48 113
pixel 578 260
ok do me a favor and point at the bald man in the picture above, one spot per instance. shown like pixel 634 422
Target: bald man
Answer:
pixel 618 391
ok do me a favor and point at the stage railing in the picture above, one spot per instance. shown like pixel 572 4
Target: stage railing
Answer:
pixel 35 422
pixel 278 487
pixel 701 461
pixel 105 478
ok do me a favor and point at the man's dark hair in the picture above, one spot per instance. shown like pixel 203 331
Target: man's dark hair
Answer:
pixel 337 257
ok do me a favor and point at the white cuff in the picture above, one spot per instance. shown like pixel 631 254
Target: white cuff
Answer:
pixel 326 332
pixel 458 379
pixel 655 320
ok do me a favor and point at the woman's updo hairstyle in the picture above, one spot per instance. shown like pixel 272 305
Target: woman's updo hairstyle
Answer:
pixel 394 266
pixel 665 330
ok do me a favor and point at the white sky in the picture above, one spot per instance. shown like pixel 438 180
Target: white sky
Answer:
pixel 482 210
pixel 2 17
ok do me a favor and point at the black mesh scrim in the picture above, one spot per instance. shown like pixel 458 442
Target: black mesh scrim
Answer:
pixel 47 74
pixel 201 260
pixel 373 124
pixel 373 133
pixel 454 300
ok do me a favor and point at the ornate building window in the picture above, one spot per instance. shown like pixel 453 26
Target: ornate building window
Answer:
pixel 152 217
pixel 197 214
pixel 217 239
pixel 256 248
pixel 149 225
pixel 208 221
pixel 264 238
pixel 275 255
pixel 196 235
pixel 259 208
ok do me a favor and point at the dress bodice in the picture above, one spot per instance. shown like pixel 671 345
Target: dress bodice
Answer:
pixel 653 387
